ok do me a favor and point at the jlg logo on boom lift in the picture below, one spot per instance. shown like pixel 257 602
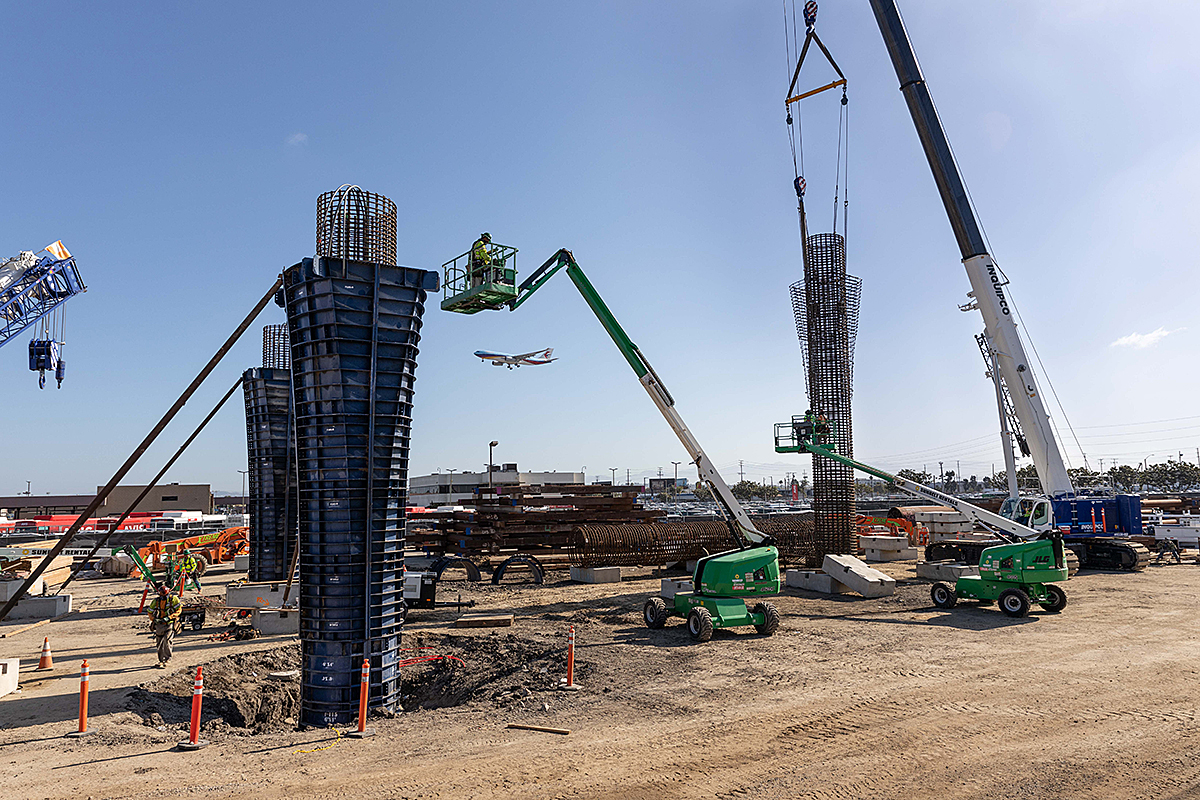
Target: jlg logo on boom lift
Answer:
pixel 996 287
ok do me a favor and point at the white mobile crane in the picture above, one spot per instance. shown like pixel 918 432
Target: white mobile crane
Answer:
pixel 1083 520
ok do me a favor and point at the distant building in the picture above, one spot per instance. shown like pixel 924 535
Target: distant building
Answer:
pixel 452 488
pixel 168 497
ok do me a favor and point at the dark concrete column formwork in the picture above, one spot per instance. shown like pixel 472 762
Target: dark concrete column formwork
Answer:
pixel 271 462
pixel 354 325
pixel 825 304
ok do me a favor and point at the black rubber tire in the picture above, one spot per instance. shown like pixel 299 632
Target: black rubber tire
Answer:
pixel 770 618
pixel 449 562
pixel 943 595
pixel 201 564
pixel 699 624
pixel 1058 599
pixel 655 613
pixel 197 624
pixel 1014 603
pixel 519 558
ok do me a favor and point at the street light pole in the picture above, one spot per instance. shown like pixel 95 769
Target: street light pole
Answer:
pixel 613 470
pixel 491 446
pixel 675 486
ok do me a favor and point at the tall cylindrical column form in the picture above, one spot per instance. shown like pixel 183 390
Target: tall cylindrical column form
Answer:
pixel 826 309
pixel 354 327
pixel 271 468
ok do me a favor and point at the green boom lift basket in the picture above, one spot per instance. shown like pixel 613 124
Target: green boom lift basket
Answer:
pixel 470 287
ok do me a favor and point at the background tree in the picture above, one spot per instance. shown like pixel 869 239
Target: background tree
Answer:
pixel 914 476
pixel 702 492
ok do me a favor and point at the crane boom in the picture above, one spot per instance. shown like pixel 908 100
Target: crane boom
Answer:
pixel 732 509
pixel 987 282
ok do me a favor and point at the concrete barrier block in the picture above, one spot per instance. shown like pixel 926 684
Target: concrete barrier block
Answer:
pixel 8 589
pixel 52 605
pixel 241 563
pixel 882 542
pixel 673 586
pixel 814 580
pixel 903 554
pixel 10 669
pixel 596 574
pixel 944 570
pixel 276 622
pixel 259 595
pixel 867 581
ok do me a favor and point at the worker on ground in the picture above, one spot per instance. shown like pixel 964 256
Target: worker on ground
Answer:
pixel 165 613
pixel 190 568
pixel 481 259
pixel 1168 547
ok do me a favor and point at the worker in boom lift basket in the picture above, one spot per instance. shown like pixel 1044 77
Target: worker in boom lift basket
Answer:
pixel 165 612
pixel 481 259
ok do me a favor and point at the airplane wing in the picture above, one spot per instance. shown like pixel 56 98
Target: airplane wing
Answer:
pixel 524 356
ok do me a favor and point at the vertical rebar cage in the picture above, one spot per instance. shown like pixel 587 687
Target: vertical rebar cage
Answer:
pixel 277 353
pixel 270 463
pixel 354 328
pixel 356 225
pixel 825 304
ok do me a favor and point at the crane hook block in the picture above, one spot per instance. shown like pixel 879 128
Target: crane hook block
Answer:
pixel 810 14
pixel 799 184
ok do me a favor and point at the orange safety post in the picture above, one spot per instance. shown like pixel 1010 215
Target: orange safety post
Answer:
pixel 1103 520
pixel 83 701
pixel 194 741
pixel 142 605
pixel 363 689
pixel 1093 519
pixel 569 683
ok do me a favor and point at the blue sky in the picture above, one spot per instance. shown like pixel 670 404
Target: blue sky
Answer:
pixel 178 152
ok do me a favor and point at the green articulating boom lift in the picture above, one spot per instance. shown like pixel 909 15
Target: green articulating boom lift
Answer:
pixel 722 581
pixel 1016 574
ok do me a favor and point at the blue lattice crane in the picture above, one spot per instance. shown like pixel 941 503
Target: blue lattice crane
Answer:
pixel 33 289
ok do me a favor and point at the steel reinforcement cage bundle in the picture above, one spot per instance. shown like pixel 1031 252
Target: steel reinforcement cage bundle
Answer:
pixel 354 329
pixel 271 470
pixel 825 304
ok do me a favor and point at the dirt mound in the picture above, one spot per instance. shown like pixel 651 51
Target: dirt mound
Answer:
pixel 238 693
pixel 497 668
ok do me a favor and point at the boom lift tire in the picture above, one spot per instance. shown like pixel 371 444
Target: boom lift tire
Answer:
pixel 201 564
pixel 1058 599
pixel 700 624
pixel 943 596
pixel 1014 603
pixel 655 613
pixel 770 618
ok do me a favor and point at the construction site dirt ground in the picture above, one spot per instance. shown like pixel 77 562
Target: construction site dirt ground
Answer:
pixel 853 698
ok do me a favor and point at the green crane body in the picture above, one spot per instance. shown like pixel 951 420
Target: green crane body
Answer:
pixel 720 581
pixel 1016 574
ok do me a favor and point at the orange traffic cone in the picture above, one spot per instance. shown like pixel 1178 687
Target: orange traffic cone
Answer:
pixel 47 660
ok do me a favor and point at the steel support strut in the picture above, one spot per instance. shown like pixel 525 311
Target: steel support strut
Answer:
pixel 103 494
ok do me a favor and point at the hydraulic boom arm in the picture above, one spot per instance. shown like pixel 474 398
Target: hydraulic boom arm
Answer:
pixel 733 511
pixel 798 436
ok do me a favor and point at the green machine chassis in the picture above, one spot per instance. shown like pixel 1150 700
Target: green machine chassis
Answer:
pixel 1016 575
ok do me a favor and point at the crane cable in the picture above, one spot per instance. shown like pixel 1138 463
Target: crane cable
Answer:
pixel 795 124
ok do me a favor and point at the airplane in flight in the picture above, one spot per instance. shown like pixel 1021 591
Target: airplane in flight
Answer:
pixel 502 360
